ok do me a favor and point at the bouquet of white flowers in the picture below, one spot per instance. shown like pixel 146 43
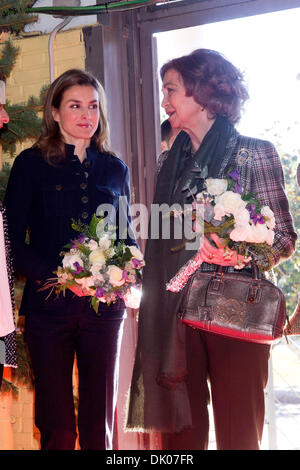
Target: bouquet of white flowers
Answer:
pixel 95 265
pixel 240 220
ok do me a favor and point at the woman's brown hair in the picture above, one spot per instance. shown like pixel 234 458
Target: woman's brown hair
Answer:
pixel 51 140
pixel 213 81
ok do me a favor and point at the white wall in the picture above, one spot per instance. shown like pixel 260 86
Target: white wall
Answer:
pixel 46 23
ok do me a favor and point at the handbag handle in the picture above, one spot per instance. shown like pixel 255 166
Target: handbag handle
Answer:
pixel 254 285
pixel 256 274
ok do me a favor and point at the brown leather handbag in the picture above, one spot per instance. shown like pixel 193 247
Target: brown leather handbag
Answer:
pixel 236 305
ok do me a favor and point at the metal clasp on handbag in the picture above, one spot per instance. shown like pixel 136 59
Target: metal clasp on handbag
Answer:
pixel 254 291
pixel 216 283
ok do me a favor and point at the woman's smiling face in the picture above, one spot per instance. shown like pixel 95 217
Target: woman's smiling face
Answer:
pixel 183 111
pixel 78 113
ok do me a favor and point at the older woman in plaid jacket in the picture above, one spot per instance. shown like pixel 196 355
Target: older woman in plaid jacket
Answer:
pixel 203 96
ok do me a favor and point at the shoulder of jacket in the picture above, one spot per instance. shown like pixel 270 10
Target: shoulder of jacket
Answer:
pixel 253 143
pixel 30 154
pixel 114 160
pixel 253 149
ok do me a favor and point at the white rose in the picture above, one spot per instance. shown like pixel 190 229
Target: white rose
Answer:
pixel 242 217
pixel 258 234
pixel 93 245
pixel 269 215
pixel 115 275
pixel 231 202
pixel 110 252
pixel 70 259
pixel 95 268
pixel 219 212
pixel 216 186
pixel 241 233
pixel 97 257
pixel 136 253
pixel 105 242
pixel 98 278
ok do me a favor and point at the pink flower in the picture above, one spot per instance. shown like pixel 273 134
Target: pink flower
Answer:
pixel 241 217
pixel 258 234
pixel 240 233
pixel 115 275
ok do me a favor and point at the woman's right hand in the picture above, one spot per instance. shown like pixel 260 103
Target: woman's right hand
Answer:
pixel 220 254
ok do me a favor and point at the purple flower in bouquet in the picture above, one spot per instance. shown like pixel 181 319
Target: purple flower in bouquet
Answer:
pixel 254 216
pixel 79 241
pixel 125 276
pixel 78 267
pixel 100 292
pixel 258 219
pixel 136 263
pixel 234 174
pixel 238 188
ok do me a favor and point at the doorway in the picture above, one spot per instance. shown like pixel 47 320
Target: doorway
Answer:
pixel 265 48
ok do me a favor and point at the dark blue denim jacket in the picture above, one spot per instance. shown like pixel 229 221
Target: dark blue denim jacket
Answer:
pixel 43 199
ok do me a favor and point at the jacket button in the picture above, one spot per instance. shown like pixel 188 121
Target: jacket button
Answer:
pixel 86 174
pixel 84 199
pixel 84 215
pixel 87 164
pixel 83 186
pixel 58 187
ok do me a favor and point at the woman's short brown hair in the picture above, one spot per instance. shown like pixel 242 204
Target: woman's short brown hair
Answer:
pixel 51 141
pixel 213 81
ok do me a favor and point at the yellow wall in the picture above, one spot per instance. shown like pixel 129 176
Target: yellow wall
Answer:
pixel 32 70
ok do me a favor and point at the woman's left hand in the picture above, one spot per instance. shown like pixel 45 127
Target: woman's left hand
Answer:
pixel 220 254
pixel 78 291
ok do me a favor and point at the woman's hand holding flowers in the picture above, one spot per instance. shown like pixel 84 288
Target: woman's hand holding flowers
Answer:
pixel 220 254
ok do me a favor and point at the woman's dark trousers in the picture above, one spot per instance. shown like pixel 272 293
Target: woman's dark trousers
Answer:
pixel 54 338
pixel 237 373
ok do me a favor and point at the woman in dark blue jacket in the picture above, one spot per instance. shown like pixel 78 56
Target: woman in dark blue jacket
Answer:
pixel 66 175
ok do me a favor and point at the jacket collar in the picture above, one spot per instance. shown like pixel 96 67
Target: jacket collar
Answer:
pixel 91 151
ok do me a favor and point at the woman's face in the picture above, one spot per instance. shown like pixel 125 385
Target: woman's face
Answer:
pixel 78 113
pixel 4 118
pixel 183 111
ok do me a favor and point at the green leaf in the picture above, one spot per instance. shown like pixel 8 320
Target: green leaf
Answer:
pixel 95 303
pixel 93 226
